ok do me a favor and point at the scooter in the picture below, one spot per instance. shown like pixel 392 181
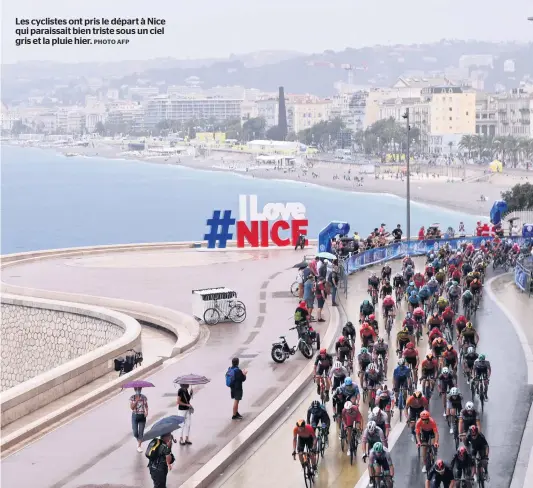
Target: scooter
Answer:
pixel 281 350
pixel 300 243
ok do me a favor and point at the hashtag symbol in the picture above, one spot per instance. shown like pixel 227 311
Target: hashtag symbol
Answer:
pixel 219 229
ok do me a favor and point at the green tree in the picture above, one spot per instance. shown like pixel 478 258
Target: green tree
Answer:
pixel 467 143
pixel 519 197
pixel 275 133
pixel 99 128
pixel 324 135
pixel 254 129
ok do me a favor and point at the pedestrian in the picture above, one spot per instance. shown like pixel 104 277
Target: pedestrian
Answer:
pixel 139 412
pixel 300 279
pixel 161 460
pixel 334 282
pixel 320 292
pixel 235 377
pixel 397 233
pixel 309 294
pixel 185 408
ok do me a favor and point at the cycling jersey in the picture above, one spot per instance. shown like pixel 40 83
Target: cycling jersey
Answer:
pixel 401 372
pixel 381 348
pixel 417 403
pixel 351 417
pixel 455 401
pixel 422 426
pixel 398 281
pixel 386 290
pixel 434 334
pixel 376 436
pixel 350 391
pixel 374 282
pixel 402 336
pixel 348 331
pixel 429 365
pixel 324 361
pixel 383 459
pixel 471 358
pixel 388 302
pixel 367 309
pixel 437 479
pixel 364 358
pixel 307 432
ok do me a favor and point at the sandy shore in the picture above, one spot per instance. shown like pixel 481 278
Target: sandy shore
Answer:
pixel 440 190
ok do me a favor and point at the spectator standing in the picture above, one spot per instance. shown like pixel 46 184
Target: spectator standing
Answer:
pixel 422 233
pixel 238 377
pixel 300 279
pixel 139 412
pixel 309 294
pixel 320 292
pixel 334 282
pixel 397 233
pixel 323 270
pixel 161 462
pixel 185 409
pixel 313 266
pixel 461 230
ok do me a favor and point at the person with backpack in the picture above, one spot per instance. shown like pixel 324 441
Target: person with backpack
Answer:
pixel 160 459
pixel 139 412
pixel 235 377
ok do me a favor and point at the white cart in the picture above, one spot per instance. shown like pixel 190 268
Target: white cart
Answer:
pixel 214 305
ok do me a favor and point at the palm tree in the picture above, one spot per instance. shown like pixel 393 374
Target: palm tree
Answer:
pixel 467 143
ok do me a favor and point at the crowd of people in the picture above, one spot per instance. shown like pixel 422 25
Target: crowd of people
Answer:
pixel 441 300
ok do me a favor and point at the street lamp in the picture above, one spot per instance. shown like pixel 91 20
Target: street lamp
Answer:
pixel 408 157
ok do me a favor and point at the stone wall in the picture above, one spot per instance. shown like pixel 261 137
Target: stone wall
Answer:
pixel 35 340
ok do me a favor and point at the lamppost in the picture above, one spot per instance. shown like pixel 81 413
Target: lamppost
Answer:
pixel 408 157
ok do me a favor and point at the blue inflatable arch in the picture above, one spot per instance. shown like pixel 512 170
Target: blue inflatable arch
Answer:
pixel 331 230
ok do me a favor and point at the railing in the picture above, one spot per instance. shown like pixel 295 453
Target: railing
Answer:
pixel 523 278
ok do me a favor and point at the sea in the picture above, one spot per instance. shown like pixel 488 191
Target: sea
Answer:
pixel 53 201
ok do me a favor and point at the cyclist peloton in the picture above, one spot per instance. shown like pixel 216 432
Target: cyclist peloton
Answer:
pixel 426 430
pixel 323 363
pixel 304 436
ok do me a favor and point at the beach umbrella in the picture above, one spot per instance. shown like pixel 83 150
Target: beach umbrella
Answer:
pixel 301 265
pixel 326 255
pixel 164 426
pixel 192 379
pixel 138 384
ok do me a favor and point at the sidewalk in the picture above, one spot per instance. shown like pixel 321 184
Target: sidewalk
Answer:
pixel 519 309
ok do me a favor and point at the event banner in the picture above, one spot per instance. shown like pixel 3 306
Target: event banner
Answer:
pixel 413 248
pixel 522 277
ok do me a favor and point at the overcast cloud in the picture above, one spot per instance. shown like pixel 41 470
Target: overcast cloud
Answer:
pixel 211 28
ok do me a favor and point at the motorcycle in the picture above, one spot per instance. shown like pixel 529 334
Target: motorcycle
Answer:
pixel 300 243
pixel 281 350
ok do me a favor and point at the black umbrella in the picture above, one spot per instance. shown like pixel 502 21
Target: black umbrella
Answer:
pixel 164 426
pixel 301 265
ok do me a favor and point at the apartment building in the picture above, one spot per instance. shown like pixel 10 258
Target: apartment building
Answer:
pixel 268 108
pixel 486 114
pixel 164 107
pixel 70 120
pixel 306 111
pixel 142 92
pixel 514 114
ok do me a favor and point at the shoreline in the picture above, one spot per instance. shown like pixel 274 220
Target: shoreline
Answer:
pixel 426 189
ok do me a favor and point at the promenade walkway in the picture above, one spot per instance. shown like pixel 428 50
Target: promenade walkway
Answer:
pixel 97 447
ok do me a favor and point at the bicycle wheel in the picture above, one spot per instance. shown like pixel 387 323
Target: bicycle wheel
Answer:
pixel 343 437
pixel 318 448
pixel 295 289
pixel 305 349
pixel 211 316
pixel 307 475
pixel 353 447
pixel 323 444
pixel 482 395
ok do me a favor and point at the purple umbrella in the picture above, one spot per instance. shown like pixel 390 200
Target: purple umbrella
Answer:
pixel 138 384
pixel 191 379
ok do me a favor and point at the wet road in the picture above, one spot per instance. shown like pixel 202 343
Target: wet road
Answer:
pixel 505 414
pixel 98 447
pixel 270 462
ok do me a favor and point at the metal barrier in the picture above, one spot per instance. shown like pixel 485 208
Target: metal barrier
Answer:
pixel 523 278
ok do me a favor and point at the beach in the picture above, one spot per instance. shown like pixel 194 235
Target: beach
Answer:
pixel 440 186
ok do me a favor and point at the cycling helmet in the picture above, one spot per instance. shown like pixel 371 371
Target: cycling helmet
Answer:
pixel 341 339
pixel 445 370
pixel 348 405
pixel 408 315
pixel 323 351
pixel 372 426
pixel 454 391
pixel 469 406
pixel 412 283
pixel 371 317
pixel 417 394
pixel 349 324
pixel 371 367
pixel 338 391
pixel 379 392
pixel 348 381
pixel 315 404
pixel 424 415
pixel 364 350
pixel 470 350
pixel 398 275
pixel 381 340
pixel 378 447
pixel 481 357
pixel 461 451
pixel 300 423
pixel 366 302
pixel 449 347
pixel 413 293
pixel 401 362
pixel 410 345
pixel 473 430
pixel 429 356
pixel 469 325
pixel 440 466
pixel 405 329
pixel 373 274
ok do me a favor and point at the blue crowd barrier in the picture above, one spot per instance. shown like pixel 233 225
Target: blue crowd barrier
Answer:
pixel 412 248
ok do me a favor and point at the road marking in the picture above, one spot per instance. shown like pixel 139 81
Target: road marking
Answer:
pixel 528 353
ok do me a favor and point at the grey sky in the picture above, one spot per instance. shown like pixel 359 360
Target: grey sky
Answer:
pixel 211 28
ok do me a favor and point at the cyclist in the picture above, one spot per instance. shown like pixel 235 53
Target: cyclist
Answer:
pixel 442 303
pixel 460 324
pixel 434 334
pixel 317 415
pixel 343 350
pixel 469 336
pixel 440 473
pixel 476 287
pixel 366 308
pixel 467 418
pixel 323 363
pixel 410 354
pixel 438 346
pixel 338 373
pixel 478 446
pixel 304 436
pixel 419 315
pixel 373 322
pixel 433 285
pixel 418 278
pixel 416 404
pixel 386 272
pixel 429 271
pixel 413 300
pixel 373 284
pixel 388 306
pixel 450 358
pixel 380 462
pixel 440 275
pixel 482 371
pixel 386 288
pixel 351 417
pixel 401 375
pixel 398 282
pixel 408 272
pixel 371 435
pixel 466 268
pixel 468 362
pixel 386 400
pixel 456 275
pixel 447 316
pixel 424 294
pixel 409 321
pixel 429 370
pixel 407 261
pixel 350 391
pixel 368 334
pixel 338 400
pixel 364 359
pixel 402 338
pixel 435 320
pixel 463 463
pixel 410 288
pixel 426 429
pixel 381 348
pixel 373 376
pixel 348 331
pixel 454 405
pixel 382 420
pixel 446 383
